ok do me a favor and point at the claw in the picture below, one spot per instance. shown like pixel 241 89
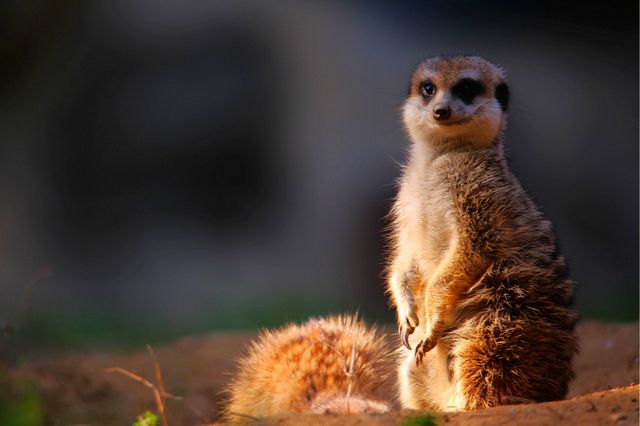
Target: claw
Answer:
pixel 405 340
pixel 419 354
pixel 408 324
pixel 404 332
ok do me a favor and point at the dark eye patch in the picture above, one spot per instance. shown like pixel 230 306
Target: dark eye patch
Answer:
pixel 467 89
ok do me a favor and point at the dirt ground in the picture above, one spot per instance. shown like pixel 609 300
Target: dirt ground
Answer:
pixel 78 390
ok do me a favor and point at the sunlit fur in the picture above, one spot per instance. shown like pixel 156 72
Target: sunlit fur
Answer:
pixel 308 369
pixel 479 287
pixel 480 122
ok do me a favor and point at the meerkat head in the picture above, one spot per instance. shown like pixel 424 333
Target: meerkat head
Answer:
pixel 455 101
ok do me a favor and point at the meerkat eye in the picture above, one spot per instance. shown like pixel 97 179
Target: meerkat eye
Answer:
pixel 467 89
pixel 427 89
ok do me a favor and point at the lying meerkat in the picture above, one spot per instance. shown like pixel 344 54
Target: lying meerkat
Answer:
pixel 327 365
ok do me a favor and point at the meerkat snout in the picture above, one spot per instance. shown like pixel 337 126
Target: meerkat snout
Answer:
pixel 441 112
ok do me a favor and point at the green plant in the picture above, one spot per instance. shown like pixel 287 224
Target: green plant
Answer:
pixel 20 402
pixel 420 420
pixel 146 419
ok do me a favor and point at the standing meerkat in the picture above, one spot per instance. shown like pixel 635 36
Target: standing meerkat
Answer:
pixel 480 290
pixel 327 365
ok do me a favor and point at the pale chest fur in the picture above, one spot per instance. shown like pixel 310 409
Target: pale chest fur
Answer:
pixel 426 222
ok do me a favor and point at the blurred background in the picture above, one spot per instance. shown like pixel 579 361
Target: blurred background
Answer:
pixel 187 166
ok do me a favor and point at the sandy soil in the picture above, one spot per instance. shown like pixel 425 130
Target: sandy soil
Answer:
pixel 77 389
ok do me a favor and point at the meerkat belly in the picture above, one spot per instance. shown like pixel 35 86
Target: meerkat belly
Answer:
pixel 438 237
pixel 436 242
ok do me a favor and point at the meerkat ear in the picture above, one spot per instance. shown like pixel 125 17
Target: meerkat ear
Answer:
pixel 502 95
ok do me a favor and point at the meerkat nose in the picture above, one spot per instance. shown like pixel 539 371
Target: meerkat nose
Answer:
pixel 441 113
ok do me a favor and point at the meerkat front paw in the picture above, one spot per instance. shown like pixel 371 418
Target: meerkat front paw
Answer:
pixel 408 322
pixel 404 281
pixel 434 331
pixel 423 347
pixel 407 311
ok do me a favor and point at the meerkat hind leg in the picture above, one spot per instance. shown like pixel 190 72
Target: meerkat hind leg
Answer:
pixel 429 386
